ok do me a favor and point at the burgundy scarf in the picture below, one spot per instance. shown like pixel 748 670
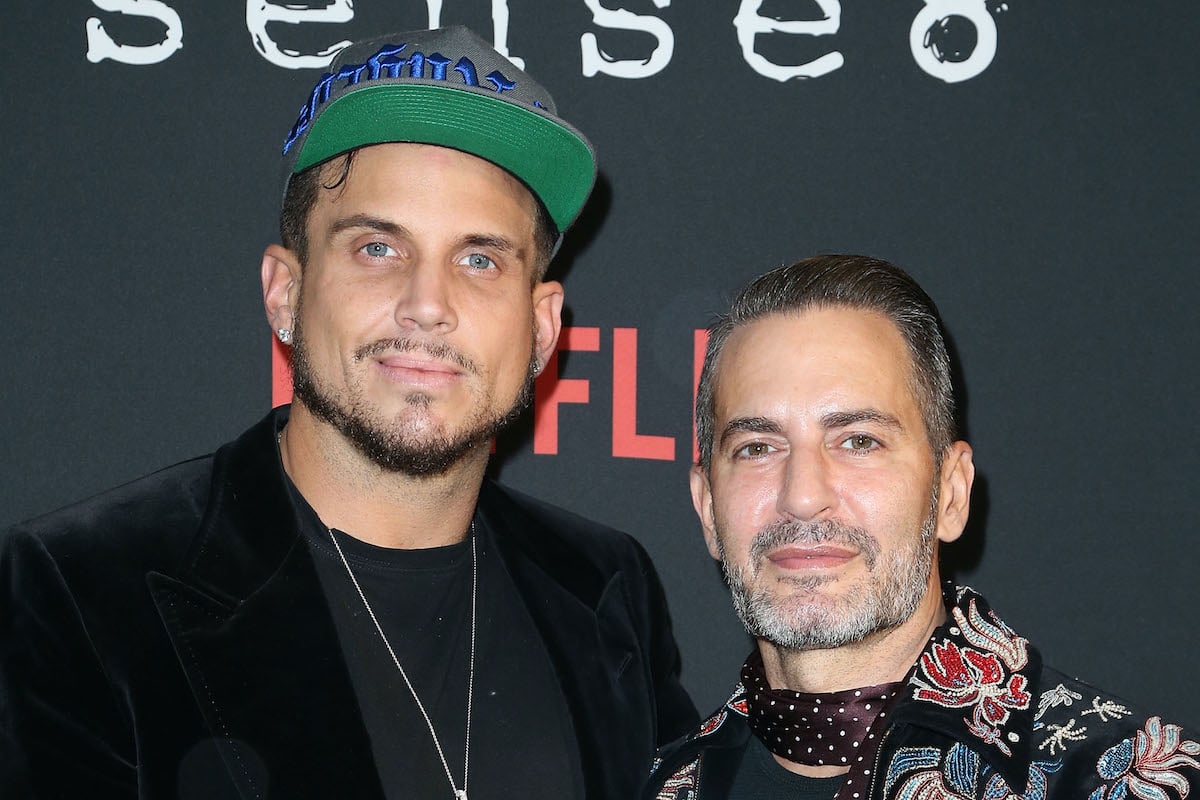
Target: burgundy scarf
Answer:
pixel 831 729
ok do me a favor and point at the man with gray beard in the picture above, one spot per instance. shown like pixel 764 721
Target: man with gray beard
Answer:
pixel 830 473
pixel 807 627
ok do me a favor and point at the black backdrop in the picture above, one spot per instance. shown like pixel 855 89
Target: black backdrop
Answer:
pixel 1046 197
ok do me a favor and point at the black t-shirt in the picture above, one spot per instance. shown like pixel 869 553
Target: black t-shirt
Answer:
pixel 761 777
pixel 522 742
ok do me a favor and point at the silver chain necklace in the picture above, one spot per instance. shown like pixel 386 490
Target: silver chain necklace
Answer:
pixel 459 794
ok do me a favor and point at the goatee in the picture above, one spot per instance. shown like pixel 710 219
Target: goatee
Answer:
pixel 389 443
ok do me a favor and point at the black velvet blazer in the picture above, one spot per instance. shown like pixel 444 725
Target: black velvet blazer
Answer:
pixel 170 639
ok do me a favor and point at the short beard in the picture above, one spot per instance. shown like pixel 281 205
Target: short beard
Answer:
pixel 392 447
pixel 890 594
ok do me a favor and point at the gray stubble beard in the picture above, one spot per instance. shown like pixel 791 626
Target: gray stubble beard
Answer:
pixel 894 587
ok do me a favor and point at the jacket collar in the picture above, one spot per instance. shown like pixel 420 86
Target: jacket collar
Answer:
pixel 247 601
pixel 722 738
pixel 975 683
pixel 249 494
pixel 582 614
pixel 248 497
pixel 256 639
pixel 525 538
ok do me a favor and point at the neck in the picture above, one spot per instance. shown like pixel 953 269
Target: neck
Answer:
pixel 883 657
pixel 381 507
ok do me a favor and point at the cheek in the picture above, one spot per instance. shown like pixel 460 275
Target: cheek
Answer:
pixel 508 344
pixel 745 501
pixel 351 314
pixel 892 503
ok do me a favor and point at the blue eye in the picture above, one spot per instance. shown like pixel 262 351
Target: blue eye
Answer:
pixel 478 261
pixel 378 250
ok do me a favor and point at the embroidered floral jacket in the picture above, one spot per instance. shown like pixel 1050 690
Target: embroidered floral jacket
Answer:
pixel 980 718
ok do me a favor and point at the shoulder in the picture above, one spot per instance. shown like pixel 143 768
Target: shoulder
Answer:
pixel 156 515
pixel 1074 720
pixel 1086 737
pixel 1061 696
pixel 586 556
pixel 149 508
pixel 983 696
pixel 552 526
pixel 90 558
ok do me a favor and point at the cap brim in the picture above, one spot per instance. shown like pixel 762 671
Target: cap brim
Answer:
pixel 552 159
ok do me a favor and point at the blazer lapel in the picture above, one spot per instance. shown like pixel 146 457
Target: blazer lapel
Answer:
pixel 251 627
pixel 584 621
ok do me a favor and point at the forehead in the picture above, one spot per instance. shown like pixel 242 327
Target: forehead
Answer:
pixel 449 183
pixel 818 360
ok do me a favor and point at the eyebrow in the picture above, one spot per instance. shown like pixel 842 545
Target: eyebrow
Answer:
pixel 749 425
pixel 845 419
pixel 494 242
pixel 366 222
pixel 519 254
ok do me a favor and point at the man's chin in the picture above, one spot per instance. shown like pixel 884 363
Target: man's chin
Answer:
pixel 393 408
pixel 419 454
pixel 809 614
pixel 415 433
pixel 419 420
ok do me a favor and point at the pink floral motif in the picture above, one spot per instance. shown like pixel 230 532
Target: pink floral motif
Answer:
pixel 1150 763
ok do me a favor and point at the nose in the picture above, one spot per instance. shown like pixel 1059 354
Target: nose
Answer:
pixel 808 491
pixel 425 301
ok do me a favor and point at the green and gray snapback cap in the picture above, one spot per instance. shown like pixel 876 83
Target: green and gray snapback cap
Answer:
pixel 445 87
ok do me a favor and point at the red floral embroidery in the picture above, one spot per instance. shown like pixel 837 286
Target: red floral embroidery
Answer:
pixel 711 724
pixel 961 677
pixel 681 785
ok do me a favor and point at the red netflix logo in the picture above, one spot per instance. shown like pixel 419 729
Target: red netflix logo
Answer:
pixel 551 391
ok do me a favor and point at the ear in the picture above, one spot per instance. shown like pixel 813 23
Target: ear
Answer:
pixel 702 502
pixel 280 286
pixel 954 498
pixel 547 318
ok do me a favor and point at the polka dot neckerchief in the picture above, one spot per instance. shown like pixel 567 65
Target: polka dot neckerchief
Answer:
pixel 833 729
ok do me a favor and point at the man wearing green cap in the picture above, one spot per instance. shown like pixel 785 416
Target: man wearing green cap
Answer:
pixel 338 604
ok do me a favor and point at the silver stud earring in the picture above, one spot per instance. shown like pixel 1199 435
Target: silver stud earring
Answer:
pixel 285 335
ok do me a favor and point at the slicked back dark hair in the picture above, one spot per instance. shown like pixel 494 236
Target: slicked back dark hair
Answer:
pixel 304 188
pixel 846 281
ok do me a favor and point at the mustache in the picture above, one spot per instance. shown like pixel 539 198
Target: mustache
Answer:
pixel 438 350
pixel 784 532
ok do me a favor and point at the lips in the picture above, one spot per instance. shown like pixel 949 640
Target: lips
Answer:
pixel 414 370
pixel 811 557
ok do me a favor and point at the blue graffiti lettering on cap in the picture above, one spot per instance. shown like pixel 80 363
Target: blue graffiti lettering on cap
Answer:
pixel 390 63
